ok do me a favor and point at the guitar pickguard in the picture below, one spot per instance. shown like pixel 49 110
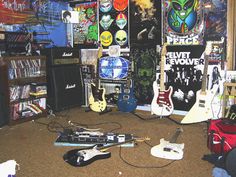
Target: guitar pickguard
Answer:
pixel 162 104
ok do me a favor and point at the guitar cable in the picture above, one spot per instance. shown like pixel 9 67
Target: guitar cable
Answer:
pixel 142 118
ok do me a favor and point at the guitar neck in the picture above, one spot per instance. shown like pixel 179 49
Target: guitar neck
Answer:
pixel 162 86
pixel 175 136
pixel 162 67
pixel 204 77
pixel 99 55
pixel 116 144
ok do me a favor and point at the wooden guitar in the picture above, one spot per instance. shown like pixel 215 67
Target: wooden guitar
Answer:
pixel 97 100
pixel 201 110
pixel 83 157
pixel 126 101
pixel 162 104
pixel 169 149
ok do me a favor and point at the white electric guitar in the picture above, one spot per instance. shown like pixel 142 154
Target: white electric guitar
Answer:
pixel 162 104
pixel 201 110
pixel 97 100
pixel 169 149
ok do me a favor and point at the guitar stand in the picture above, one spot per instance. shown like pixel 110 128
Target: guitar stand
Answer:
pixel 87 109
pixel 105 111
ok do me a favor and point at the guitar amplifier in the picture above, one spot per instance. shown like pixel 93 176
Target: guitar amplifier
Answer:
pixel 61 56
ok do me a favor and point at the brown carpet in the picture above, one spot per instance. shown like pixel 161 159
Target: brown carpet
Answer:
pixel 31 144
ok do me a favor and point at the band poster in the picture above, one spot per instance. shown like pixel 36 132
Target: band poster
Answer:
pixel 183 22
pixel 114 23
pixel 184 68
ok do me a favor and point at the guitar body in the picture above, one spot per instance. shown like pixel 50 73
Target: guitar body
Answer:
pixel 162 104
pixel 97 101
pixel 167 150
pixel 80 158
pixel 201 110
pixel 126 101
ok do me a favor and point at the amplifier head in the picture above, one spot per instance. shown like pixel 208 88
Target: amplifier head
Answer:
pixel 62 55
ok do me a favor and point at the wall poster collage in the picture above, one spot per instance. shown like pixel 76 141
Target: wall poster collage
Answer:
pixel 187 29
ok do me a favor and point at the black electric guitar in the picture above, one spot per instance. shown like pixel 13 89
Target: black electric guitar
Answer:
pixel 97 101
pixel 83 157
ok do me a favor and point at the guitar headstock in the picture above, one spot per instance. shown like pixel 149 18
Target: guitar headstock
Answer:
pixel 163 50
pixel 100 49
pixel 142 139
pixel 208 47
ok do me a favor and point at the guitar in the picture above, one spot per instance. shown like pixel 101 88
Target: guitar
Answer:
pixel 83 157
pixel 126 101
pixel 201 110
pixel 169 149
pixel 97 101
pixel 162 104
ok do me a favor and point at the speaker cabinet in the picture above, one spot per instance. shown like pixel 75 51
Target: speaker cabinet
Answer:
pixel 65 87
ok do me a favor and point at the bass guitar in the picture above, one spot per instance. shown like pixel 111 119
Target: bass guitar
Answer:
pixel 162 104
pixel 169 149
pixel 97 100
pixel 126 101
pixel 201 110
pixel 83 157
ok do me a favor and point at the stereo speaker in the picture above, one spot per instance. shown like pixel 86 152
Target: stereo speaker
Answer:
pixel 65 87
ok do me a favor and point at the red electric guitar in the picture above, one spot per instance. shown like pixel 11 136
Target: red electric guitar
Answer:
pixel 162 104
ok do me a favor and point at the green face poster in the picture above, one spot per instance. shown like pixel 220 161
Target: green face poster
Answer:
pixel 86 30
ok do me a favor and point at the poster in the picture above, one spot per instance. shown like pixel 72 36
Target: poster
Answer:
pixel 144 72
pixel 183 22
pixel 184 71
pixel 145 22
pixel 85 32
pixel 216 19
pixel 114 23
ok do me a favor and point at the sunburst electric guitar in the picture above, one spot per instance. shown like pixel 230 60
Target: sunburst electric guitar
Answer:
pixel 162 104
pixel 201 110
pixel 97 100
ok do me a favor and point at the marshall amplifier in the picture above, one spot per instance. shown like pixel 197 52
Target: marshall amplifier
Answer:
pixel 65 87
pixel 61 56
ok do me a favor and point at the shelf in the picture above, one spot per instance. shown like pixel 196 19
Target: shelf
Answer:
pixel 25 71
pixel 28 99
pixel 26 119
pixel 22 81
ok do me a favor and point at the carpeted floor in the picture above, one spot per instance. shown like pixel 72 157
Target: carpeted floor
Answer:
pixel 31 144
